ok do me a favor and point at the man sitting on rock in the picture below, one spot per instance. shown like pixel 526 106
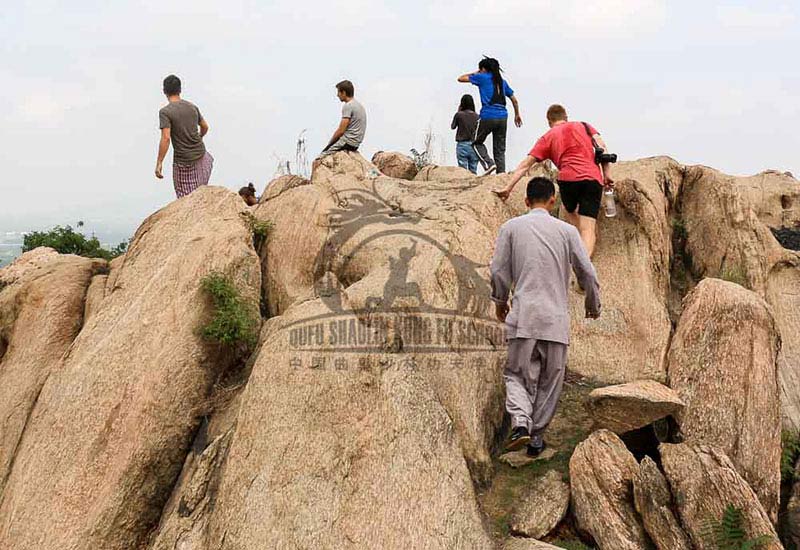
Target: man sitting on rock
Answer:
pixel 533 255
pixel 182 123
pixel 350 133
pixel 580 180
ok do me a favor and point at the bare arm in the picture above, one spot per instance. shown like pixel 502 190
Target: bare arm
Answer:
pixel 586 274
pixel 339 131
pixel 605 167
pixel 203 127
pixel 465 78
pixel 517 175
pixel 163 147
pixel 517 117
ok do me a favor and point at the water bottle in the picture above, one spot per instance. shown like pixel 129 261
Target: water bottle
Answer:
pixel 610 205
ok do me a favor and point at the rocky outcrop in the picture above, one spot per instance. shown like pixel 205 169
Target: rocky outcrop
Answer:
pixel 626 407
pixel 653 501
pixel 543 505
pixel 704 482
pixel 784 298
pixel 601 473
pixel 722 363
pixel 518 543
pixel 395 165
pixel 635 327
pixel 113 422
pixel 342 451
pixel 280 185
pixel 41 312
pixel 433 172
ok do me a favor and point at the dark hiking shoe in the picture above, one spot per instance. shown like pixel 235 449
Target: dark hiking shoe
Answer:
pixel 519 438
pixel 491 170
pixel 536 446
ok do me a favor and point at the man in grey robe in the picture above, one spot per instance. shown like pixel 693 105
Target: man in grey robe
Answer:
pixel 533 256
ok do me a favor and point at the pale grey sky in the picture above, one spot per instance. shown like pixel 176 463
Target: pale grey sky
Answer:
pixel 705 82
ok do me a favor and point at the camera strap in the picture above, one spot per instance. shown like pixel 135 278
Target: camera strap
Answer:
pixel 589 133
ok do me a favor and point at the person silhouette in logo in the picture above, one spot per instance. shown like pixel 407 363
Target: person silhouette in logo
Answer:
pixel 397 285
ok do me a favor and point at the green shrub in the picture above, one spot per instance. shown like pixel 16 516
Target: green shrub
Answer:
pixel 728 533
pixel 259 228
pixel 232 323
pixel 790 449
pixel 68 241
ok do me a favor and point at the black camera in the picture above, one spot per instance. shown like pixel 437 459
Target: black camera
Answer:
pixel 601 157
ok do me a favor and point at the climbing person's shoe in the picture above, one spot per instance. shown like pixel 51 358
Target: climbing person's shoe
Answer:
pixel 491 170
pixel 518 439
pixel 536 446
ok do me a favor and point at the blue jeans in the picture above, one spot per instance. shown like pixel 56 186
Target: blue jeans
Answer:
pixel 466 155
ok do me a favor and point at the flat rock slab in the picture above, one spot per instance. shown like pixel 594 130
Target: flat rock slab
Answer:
pixel 543 505
pixel 518 543
pixel 518 459
pixel 626 407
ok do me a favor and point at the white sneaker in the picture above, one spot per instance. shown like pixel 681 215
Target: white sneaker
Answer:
pixel 491 170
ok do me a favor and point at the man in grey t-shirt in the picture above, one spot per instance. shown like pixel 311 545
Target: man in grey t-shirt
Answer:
pixel 350 133
pixel 182 124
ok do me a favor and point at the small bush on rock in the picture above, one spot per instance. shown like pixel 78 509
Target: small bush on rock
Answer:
pixel 68 241
pixel 728 533
pixel 790 449
pixel 232 323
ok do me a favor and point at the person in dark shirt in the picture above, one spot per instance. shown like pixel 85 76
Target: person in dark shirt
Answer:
pixel 465 122
pixel 494 116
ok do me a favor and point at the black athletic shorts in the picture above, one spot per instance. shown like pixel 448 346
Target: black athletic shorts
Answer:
pixel 585 195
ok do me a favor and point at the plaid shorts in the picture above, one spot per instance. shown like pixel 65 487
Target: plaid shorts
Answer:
pixel 187 178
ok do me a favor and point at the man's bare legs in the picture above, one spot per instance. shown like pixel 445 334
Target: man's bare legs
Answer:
pixel 587 227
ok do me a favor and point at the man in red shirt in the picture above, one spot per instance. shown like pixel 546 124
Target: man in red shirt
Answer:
pixel 580 179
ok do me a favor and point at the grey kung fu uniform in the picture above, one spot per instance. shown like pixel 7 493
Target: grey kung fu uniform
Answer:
pixel 533 255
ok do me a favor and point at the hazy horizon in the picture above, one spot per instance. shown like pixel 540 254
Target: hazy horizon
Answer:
pixel 705 83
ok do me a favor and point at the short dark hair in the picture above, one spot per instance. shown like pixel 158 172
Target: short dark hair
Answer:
pixel 249 191
pixel 172 85
pixel 347 87
pixel 540 189
pixel 556 112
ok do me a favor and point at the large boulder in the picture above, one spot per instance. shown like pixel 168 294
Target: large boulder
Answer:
pixel 543 504
pixel 340 449
pixel 395 165
pixel 723 365
pixel 783 296
pixel 601 473
pixel 653 501
pixel 626 407
pixel 774 196
pixel 704 482
pixel 41 313
pixel 629 341
pixel 113 422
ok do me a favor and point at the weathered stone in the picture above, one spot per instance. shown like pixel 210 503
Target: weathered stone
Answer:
pixel 629 341
pixel 433 172
pixel 601 473
pixel 519 543
pixel 518 459
pixel 784 298
pixel 704 482
pixel 722 363
pixel 653 501
pixel 395 165
pixel 113 421
pixel 41 313
pixel 792 520
pixel 280 185
pixel 387 469
pixel 626 407
pixel 542 506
